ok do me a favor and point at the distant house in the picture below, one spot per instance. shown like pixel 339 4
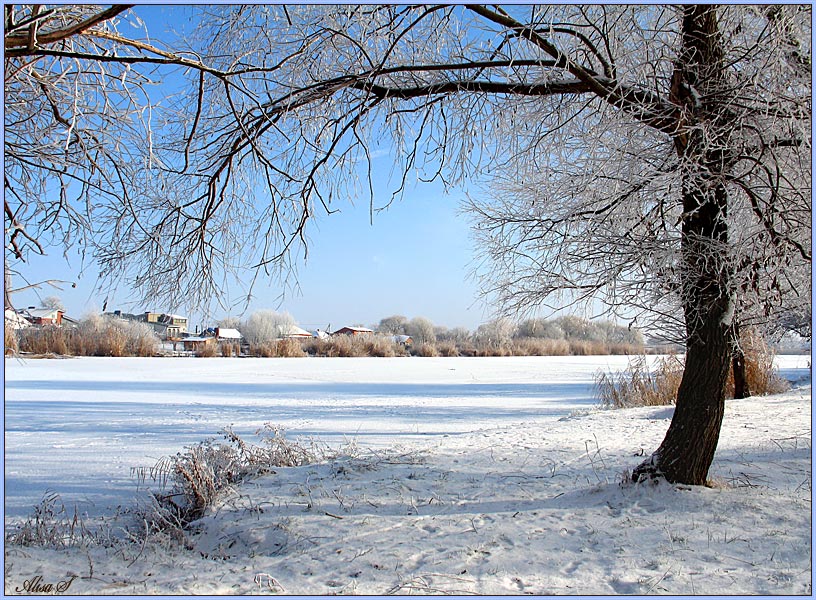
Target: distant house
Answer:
pixel 353 331
pixel 167 326
pixel 175 326
pixel 197 343
pixel 44 316
pixel 402 340
pixel 295 332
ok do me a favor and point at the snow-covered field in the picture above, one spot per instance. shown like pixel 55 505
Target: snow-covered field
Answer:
pixel 472 475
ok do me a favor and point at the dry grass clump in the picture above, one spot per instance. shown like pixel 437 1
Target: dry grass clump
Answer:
pixel 540 347
pixel 201 475
pixel 10 340
pixel 427 350
pixel 43 340
pixel 50 526
pixel 346 346
pixel 587 348
pixel 206 350
pixel 760 374
pixel 447 348
pixel 95 336
pixel 106 336
pixel 637 385
pixel 316 347
pixel 354 346
pixel 286 348
pixel 379 346
pixel 229 349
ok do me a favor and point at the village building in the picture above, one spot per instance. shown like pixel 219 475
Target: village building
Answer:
pixel 226 334
pixel 354 331
pixel 197 343
pixel 44 316
pixel 167 326
pixel 295 332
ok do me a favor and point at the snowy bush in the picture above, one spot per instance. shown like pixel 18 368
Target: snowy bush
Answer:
pixel 200 475
pixel 266 326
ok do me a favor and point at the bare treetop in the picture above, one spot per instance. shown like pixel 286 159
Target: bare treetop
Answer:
pixel 285 106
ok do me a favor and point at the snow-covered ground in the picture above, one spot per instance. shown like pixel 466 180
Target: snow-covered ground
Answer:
pixel 473 475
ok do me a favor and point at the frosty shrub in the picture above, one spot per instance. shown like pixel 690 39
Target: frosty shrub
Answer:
pixel 638 385
pixel 458 335
pixel 194 480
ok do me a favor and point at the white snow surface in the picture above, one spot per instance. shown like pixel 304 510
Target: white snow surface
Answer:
pixel 470 475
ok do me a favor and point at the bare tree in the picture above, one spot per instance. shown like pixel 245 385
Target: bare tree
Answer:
pixel 393 325
pixel 421 330
pixel 53 302
pixel 680 135
pixel 495 334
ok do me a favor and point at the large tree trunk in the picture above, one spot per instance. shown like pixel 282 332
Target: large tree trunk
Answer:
pixel 686 453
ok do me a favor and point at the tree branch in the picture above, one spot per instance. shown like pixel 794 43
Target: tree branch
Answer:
pixel 23 40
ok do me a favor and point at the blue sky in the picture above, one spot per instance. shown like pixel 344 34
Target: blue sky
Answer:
pixel 415 260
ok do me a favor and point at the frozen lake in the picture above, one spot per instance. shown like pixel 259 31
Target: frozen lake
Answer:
pixel 78 426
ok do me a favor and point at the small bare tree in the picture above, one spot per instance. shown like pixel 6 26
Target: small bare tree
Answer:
pixel 421 330
pixel 53 302
pixel 267 326
pixel 393 325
